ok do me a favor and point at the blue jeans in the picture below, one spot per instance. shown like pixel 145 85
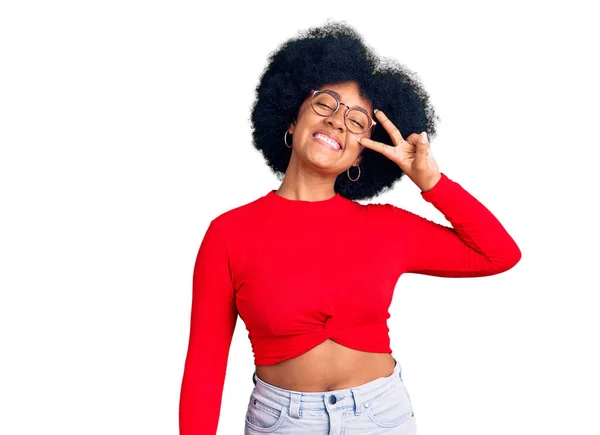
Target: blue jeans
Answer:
pixel 381 406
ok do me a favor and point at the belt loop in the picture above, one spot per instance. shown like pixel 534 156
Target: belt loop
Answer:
pixel 357 401
pixel 399 368
pixel 295 410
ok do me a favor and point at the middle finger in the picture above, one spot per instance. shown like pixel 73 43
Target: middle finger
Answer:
pixel 389 126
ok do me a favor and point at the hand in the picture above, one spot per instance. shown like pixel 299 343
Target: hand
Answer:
pixel 411 155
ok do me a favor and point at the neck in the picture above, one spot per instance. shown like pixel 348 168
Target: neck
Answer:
pixel 305 183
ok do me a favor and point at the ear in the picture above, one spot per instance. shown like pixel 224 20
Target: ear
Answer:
pixel 292 127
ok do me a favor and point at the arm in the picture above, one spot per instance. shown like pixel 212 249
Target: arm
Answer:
pixel 213 319
pixel 476 245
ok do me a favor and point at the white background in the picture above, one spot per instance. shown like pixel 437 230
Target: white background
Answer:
pixel 124 129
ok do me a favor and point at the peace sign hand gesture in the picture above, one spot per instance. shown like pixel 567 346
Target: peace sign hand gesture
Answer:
pixel 411 155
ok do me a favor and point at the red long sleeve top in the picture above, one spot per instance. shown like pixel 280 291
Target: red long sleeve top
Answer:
pixel 300 272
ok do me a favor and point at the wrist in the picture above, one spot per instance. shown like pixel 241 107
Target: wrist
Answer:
pixel 431 184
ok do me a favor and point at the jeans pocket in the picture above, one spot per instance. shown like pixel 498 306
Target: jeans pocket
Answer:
pixel 391 408
pixel 263 418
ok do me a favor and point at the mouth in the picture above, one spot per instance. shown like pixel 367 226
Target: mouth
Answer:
pixel 327 140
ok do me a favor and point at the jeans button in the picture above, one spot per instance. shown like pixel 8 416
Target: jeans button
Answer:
pixel 332 400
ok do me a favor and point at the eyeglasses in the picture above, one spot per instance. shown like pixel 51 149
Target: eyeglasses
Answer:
pixel 325 103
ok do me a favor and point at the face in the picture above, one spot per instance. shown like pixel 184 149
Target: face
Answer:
pixel 310 147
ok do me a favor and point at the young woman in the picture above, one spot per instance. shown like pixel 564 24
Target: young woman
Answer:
pixel 311 271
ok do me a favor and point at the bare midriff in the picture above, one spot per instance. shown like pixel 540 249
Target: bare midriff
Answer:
pixel 327 367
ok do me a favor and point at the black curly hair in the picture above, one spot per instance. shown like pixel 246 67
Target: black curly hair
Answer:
pixel 330 54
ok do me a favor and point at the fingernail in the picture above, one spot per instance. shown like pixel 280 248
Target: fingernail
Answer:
pixel 375 111
pixel 358 139
pixel 424 137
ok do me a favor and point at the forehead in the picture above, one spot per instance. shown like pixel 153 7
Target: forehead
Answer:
pixel 348 93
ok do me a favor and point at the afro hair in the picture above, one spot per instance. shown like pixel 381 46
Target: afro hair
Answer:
pixel 330 54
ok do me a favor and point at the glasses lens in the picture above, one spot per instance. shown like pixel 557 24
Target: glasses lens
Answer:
pixel 357 121
pixel 324 104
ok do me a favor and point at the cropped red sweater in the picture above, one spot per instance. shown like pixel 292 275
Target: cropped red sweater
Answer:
pixel 300 272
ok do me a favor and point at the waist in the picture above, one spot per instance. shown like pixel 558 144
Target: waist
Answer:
pixel 329 366
pixel 278 397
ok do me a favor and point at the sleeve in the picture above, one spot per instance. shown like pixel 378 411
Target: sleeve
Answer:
pixel 213 320
pixel 476 245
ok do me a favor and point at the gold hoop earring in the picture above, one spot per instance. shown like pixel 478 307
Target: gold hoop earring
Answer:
pixel 285 140
pixel 348 172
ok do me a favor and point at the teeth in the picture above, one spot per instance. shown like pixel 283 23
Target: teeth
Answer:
pixel 328 140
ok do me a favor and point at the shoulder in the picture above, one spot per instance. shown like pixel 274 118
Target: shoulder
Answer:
pixel 386 210
pixel 227 228
pixel 235 217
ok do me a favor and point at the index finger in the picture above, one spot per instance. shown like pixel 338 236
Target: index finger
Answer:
pixel 389 126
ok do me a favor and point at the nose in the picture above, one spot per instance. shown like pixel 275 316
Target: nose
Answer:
pixel 337 120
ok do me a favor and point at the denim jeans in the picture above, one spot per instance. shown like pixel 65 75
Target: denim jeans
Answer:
pixel 381 406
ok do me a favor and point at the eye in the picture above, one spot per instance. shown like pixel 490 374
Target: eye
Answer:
pixel 325 105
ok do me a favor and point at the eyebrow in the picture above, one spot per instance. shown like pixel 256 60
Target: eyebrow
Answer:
pixel 338 96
